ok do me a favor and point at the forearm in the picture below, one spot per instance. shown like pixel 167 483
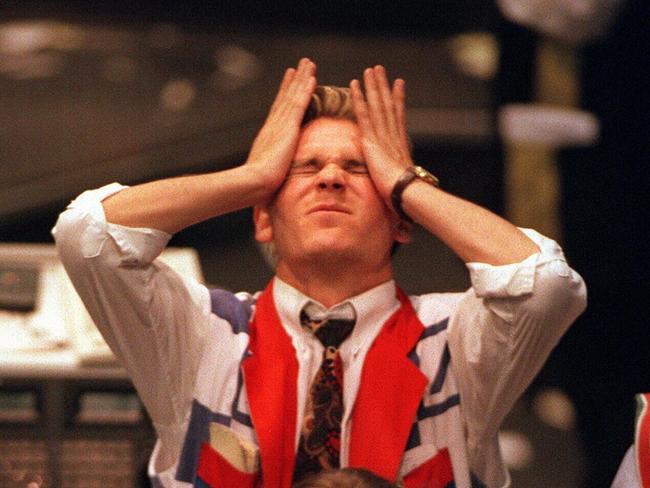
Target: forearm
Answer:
pixel 172 204
pixel 474 233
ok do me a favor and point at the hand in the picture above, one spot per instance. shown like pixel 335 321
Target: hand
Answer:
pixel 275 145
pixel 382 120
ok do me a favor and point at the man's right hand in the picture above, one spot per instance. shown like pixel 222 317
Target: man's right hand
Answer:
pixel 174 203
pixel 275 145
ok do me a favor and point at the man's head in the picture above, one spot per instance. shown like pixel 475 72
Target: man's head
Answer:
pixel 328 207
pixel 345 478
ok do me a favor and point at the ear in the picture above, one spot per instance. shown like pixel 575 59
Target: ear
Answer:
pixel 263 226
pixel 403 232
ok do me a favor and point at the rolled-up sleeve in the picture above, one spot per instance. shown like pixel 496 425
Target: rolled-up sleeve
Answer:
pixel 505 327
pixel 152 318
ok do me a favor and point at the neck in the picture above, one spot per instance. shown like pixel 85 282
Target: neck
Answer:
pixel 332 283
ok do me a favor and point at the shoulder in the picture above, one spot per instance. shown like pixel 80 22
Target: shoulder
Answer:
pixel 235 308
pixel 434 307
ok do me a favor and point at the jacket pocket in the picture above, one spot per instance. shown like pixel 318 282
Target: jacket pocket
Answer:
pixel 434 473
pixel 214 471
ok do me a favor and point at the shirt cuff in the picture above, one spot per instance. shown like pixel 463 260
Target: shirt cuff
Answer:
pixel 137 246
pixel 90 198
pixel 517 279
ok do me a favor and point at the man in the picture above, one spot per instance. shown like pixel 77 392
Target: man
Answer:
pixel 332 365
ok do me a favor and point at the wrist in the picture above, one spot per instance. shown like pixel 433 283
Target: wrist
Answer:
pixel 255 183
pixel 411 175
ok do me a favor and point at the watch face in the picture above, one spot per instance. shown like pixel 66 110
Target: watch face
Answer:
pixel 421 172
pixel 425 175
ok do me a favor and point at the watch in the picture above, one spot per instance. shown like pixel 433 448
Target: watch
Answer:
pixel 411 173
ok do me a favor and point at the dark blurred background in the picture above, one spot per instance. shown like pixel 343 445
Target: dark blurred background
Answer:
pixel 131 91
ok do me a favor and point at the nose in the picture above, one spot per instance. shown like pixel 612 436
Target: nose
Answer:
pixel 331 176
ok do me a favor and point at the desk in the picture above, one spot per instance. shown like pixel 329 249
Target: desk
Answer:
pixel 72 425
pixel 68 411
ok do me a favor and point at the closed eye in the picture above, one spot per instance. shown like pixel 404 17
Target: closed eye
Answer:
pixel 313 166
pixel 356 167
pixel 308 167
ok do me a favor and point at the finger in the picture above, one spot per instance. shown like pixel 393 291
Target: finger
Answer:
pixel 304 70
pixel 387 100
pixel 290 78
pixel 399 99
pixel 284 85
pixel 374 103
pixel 360 109
pixel 300 90
pixel 292 102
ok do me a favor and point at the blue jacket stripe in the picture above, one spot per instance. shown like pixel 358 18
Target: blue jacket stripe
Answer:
pixel 438 408
pixel 237 415
pixel 198 432
pixel 432 330
pixel 226 305
pixel 439 380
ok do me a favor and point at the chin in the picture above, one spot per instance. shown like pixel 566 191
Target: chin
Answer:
pixel 333 246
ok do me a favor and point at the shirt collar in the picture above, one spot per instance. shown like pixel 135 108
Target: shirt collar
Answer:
pixel 370 306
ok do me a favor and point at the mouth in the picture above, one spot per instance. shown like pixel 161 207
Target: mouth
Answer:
pixel 323 207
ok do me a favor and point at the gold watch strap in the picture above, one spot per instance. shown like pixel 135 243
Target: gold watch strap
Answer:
pixel 410 174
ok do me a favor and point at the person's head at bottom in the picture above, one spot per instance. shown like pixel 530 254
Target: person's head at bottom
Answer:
pixel 344 478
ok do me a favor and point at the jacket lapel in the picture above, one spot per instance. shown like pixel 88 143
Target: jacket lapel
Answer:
pixel 270 376
pixel 390 392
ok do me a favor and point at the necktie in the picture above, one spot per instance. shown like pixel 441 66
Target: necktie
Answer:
pixel 320 435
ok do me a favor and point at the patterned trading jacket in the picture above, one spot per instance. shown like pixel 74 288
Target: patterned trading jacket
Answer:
pixel 424 395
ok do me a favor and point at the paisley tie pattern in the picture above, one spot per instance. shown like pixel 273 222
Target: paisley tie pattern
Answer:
pixel 320 435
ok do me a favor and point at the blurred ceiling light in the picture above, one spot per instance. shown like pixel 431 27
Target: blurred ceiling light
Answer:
pixel 476 54
pixel 516 450
pixel 575 21
pixel 554 408
pixel 236 67
pixel 26 37
pixel 119 69
pixel 177 95
pixel 32 65
pixel 164 36
pixel 548 125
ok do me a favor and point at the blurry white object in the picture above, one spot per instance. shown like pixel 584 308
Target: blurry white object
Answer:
pixel 554 408
pixel 177 95
pixel 516 450
pixel 554 127
pixel 59 321
pixel 476 54
pixel 574 21
pixel 42 328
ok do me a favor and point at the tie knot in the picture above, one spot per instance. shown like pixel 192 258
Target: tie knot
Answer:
pixel 332 327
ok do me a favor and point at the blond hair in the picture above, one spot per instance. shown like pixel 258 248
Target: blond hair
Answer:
pixel 330 101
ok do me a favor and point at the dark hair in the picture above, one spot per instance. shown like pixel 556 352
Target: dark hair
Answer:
pixel 345 478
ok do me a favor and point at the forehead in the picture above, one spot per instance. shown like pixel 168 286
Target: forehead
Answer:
pixel 329 137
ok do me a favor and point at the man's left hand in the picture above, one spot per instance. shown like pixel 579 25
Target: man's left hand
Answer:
pixel 382 120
